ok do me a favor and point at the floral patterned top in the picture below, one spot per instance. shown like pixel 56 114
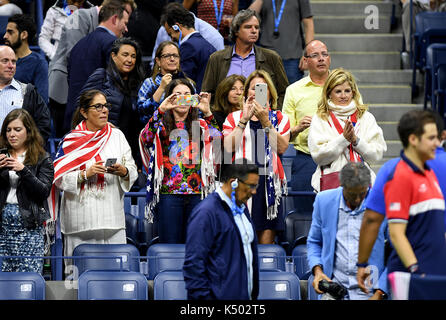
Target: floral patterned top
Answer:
pixel 181 157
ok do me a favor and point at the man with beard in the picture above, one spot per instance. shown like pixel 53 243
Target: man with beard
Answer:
pixel 31 66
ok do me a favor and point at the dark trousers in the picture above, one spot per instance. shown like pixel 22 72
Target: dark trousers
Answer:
pixel 301 172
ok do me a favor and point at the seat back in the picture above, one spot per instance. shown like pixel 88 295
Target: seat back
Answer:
pixel 131 229
pixel 435 58
pixel 430 28
pixel 106 257
pixel 22 286
pixel 271 257
pixel 278 285
pixel 165 256
pixel 299 255
pixel 169 285
pixel 297 225
pixel 112 285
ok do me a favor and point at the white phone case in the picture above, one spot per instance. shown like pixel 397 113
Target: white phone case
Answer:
pixel 261 93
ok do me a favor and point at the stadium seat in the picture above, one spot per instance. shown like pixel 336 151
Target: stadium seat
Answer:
pixel 297 225
pixel 22 286
pixel 112 285
pixel 169 285
pixel 271 257
pixel 290 151
pixel 131 229
pixel 430 28
pixel 406 286
pixel 278 285
pixel 311 293
pixel 435 58
pixel 440 92
pixel 106 257
pixel 165 257
pixel 299 255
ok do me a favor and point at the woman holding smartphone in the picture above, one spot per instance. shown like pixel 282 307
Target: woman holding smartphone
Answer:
pixel 177 153
pixel 92 204
pixel 26 176
pixel 261 134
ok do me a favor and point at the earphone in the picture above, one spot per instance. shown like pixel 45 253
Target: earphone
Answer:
pixel 234 184
pixel 175 27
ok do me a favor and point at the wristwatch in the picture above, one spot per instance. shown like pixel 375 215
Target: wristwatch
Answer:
pixel 267 129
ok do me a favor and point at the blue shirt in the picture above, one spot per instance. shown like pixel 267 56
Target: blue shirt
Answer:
pixel 11 98
pixel 247 235
pixel 34 69
pixel 346 250
pixel 243 66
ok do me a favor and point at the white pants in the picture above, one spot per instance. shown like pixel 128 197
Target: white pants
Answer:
pixel 106 236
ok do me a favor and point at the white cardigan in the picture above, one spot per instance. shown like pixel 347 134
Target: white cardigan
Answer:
pixel 88 209
pixel 52 30
pixel 327 146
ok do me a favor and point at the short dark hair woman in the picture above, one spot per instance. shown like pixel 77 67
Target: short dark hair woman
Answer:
pixel 26 176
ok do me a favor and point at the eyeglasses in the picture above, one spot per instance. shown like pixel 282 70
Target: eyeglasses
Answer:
pixel 317 55
pixel 99 106
pixel 251 186
pixel 168 56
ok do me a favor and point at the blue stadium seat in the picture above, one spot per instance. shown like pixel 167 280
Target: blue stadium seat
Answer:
pixel 299 255
pixel 430 28
pixel 297 225
pixel 278 285
pixel 271 257
pixel 112 285
pixel 435 59
pixel 106 257
pixel 290 151
pixel 21 286
pixel 169 285
pixel 165 257
pixel 441 91
pixel 131 229
pixel 311 293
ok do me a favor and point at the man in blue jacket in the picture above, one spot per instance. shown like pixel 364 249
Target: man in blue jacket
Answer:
pixel 221 245
pixel 333 238
pixel 194 49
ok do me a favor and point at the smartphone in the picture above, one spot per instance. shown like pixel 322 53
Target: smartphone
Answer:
pixel 187 100
pixel 4 151
pixel 110 162
pixel 261 94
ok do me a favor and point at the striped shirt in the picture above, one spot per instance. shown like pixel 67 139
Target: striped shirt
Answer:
pixel 11 98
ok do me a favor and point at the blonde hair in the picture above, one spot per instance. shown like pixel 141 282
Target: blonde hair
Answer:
pixel 338 77
pixel 265 76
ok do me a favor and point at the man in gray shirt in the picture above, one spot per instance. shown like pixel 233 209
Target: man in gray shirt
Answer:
pixel 281 31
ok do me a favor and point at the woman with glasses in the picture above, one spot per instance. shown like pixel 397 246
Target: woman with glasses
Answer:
pixel 260 134
pixel 26 176
pixel 120 83
pixel 94 167
pixel 166 68
pixel 177 153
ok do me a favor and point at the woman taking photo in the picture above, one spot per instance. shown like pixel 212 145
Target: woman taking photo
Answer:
pixel 342 130
pixel 261 134
pixel 92 205
pixel 166 68
pixel 181 170
pixel 26 176
pixel 120 84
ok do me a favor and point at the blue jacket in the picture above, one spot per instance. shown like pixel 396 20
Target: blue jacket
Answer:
pixel 215 265
pixel 195 53
pixel 321 241
pixel 91 52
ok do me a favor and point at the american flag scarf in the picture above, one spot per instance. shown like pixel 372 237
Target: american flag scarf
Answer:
pixel 152 159
pixel 76 148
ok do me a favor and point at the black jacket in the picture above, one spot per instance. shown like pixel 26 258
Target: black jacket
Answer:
pixel 33 189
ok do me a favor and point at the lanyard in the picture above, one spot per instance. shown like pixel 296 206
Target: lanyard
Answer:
pixel 279 17
pixel 218 15
pixel 353 156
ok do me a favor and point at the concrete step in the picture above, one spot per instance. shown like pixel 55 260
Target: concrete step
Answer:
pixel 392 112
pixel 386 93
pixel 365 60
pixel 389 129
pixel 351 7
pixel 394 148
pixel 351 24
pixel 384 76
pixel 361 42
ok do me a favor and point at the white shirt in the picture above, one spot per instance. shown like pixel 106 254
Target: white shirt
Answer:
pixel 13 182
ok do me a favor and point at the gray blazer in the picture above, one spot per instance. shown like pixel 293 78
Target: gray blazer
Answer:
pixel 77 26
